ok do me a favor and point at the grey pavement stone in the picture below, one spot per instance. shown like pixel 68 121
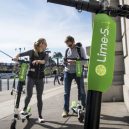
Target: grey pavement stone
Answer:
pixel 113 115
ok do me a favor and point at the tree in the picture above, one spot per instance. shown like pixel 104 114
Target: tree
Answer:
pixel 51 61
pixel 57 56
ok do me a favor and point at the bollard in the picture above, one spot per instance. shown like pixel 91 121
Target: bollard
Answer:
pixel 7 83
pixel 46 80
pixel 0 84
pixel 14 83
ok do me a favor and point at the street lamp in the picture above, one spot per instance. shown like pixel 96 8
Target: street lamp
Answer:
pixel 20 49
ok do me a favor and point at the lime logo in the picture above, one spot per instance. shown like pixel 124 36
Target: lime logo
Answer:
pixel 100 70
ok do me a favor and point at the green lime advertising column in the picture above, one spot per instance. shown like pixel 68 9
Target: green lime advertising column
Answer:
pixel 101 67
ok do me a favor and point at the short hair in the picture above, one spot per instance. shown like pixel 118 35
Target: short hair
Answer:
pixel 69 39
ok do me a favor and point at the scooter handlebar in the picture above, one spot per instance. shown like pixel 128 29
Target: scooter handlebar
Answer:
pixel 80 4
pixel 76 59
pixel 95 7
pixel 21 61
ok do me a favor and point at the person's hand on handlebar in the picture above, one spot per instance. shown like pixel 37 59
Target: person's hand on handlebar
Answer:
pixel 36 62
pixel 71 61
pixel 16 58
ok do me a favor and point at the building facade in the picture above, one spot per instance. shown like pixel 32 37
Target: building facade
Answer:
pixel 115 93
pixel 125 42
pixel 120 86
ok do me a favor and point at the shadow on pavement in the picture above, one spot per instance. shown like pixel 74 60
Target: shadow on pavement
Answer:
pixel 49 124
pixel 65 125
pixel 109 128
pixel 30 123
pixel 124 119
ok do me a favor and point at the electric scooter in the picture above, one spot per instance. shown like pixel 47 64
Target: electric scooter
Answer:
pixel 78 109
pixel 21 82
pixel 22 76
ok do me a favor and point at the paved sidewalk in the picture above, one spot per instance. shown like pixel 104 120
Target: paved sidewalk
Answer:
pixel 113 115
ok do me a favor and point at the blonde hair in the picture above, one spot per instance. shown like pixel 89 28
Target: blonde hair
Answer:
pixel 40 41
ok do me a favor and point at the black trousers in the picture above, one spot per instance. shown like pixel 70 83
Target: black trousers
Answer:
pixel 39 88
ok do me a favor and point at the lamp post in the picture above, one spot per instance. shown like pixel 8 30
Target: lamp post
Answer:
pixel 20 49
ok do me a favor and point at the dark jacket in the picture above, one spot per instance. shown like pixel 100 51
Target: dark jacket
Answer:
pixel 35 71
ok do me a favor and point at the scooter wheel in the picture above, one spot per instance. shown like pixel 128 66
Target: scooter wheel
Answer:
pixel 11 92
pixel 23 120
pixel 28 118
pixel 81 116
pixel 24 91
pixel 73 110
pixel 13 125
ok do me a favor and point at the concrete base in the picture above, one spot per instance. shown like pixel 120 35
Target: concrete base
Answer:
pixel 114 94
pixel 126 91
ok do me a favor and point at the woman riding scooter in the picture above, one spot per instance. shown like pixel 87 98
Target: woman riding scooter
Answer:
pixel 38 58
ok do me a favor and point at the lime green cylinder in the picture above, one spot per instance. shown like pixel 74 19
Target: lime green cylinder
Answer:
pixel 23 71
pixel 102 53
pixel 78 68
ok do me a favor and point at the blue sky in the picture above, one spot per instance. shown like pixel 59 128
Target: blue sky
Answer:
pixel 22 22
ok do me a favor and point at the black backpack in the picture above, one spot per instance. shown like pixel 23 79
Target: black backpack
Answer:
pixel 78 47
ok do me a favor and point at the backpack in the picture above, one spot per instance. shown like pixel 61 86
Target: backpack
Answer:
pixel 78 47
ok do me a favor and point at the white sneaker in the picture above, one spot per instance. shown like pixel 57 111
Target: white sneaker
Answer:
pixel 41 120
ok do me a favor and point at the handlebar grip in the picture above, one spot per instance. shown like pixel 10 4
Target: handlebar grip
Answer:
pixel 76 59
pixel 21 61
pixel 94 7
pixel 71 3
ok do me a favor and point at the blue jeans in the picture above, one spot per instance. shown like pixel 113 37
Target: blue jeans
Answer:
pixel 68 77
